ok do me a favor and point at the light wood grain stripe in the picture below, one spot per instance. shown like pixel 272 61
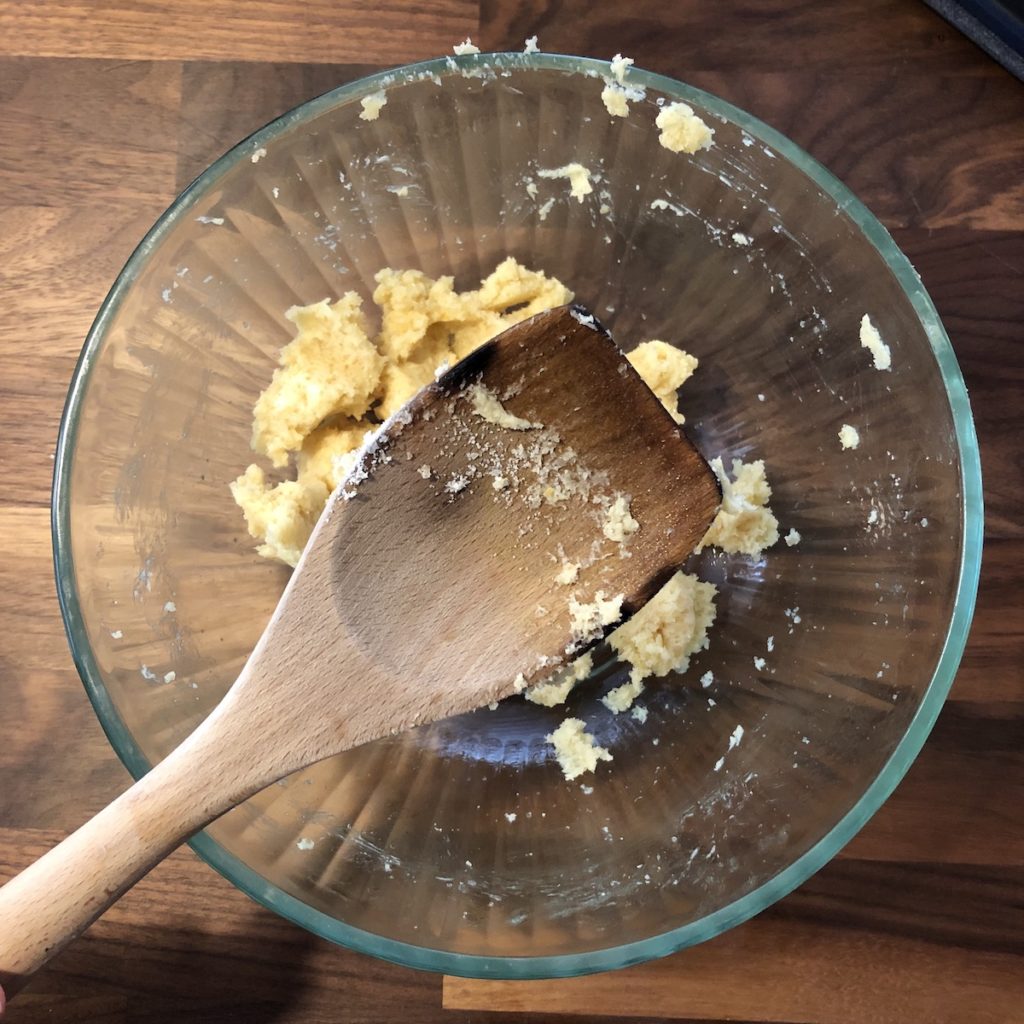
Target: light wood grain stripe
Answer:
pixel 317 31
pixel 24 534
pixel 777 970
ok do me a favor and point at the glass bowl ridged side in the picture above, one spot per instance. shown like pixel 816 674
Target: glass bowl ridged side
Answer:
pixel 414 857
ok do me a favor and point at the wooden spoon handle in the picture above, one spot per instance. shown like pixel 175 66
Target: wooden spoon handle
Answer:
pixel 55 899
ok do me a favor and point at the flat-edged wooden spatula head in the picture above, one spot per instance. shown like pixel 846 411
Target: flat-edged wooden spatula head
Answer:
pixel 464 556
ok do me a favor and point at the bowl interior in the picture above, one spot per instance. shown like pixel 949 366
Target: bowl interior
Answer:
pixel 459 846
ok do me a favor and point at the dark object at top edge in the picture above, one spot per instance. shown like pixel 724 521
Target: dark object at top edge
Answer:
pixel 997 26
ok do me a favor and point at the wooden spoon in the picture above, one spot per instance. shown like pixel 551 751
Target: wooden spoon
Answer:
pixel 427 589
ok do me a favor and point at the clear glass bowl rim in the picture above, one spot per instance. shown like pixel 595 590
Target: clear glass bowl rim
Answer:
pixel 612 957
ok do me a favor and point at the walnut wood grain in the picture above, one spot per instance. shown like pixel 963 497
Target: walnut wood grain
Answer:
pixel 262 30
pixel 976 279
pixel 682 39
pixel 880 943
pixel 95 131
pixel 187 946
pixel 84 148
pixel 887 135
pixel 58 262
pixel 208 126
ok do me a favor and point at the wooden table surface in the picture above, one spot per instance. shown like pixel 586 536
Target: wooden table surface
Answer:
pixel 107 109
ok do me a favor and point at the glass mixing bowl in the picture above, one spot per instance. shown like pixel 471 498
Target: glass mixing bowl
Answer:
pixel 459 847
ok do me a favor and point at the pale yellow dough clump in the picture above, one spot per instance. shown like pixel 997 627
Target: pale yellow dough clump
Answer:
pixel 327 455
pixel 745 525
pixel 575 749
pixel 660 638
pixel 615 100
pixel 619 524
pixel 372 105
pixel 872 341
pixel 849 437
pixel 555 690
pixel 616 94
pixel 283 516
pixel 620 65
pixel 672 626
pixel 682 131
pixel 663 635
pixel 578 177
pixel 487 407
pixel 568 573
pixel 337 381
pixel 587 619
pixel 664 369
pixel 332 368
